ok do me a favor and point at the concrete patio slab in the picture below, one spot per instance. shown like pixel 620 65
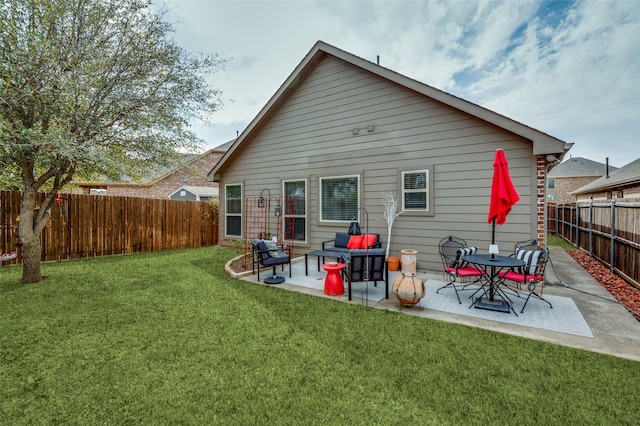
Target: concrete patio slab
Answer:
pixel 615 331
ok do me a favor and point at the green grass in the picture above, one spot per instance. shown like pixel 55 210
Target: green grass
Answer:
pixel 168 338
pixel 554 240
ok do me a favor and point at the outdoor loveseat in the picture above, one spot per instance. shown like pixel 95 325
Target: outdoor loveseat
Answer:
pixel 345 243
pixel 364 256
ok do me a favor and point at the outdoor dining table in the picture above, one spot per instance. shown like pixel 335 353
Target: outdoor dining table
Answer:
pixel 492 265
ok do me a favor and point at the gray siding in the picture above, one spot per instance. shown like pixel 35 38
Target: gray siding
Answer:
pixel 311 136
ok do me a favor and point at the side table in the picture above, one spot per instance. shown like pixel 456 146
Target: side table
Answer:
pixel 333 285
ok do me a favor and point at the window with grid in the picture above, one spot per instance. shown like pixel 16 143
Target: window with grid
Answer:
pixel 339 198
pixel 233 210
pixel 295 209
pixel 415 190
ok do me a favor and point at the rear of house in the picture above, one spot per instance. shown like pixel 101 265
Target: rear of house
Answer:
pixel 341 131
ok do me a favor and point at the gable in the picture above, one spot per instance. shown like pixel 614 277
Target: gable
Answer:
pixel 542 144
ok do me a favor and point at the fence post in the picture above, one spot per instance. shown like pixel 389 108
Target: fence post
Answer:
pixel 571 223
pixel 613 234
pixel 590 227
pixel 577 225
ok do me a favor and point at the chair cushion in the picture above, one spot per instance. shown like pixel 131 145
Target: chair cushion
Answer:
pixel 271 261
pixel 468 271
pixel 370 251
pixel 356 242
pixel 519 278
pixel 531 261
pixel 459 262
pixel 263 252
pixel 342 239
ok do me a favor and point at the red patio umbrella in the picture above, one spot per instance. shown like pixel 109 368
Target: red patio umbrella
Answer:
pixel 503 193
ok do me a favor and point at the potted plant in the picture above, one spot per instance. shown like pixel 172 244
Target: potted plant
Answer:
pixel 390 214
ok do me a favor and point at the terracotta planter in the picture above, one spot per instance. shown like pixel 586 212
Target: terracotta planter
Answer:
pixel 408 288
pixel 393 263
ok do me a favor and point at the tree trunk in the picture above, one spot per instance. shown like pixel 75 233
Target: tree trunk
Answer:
pixel 30 239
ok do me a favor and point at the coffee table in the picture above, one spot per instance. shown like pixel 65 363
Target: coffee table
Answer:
pixel 321 254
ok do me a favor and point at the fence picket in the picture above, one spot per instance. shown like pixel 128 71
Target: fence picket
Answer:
pixel 94 225
pixel 606 230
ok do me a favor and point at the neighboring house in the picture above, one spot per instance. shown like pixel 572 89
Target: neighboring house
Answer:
pixel 193 173
pixel 195 193
pixel 623 184
pixel 342 130
pixel 572 174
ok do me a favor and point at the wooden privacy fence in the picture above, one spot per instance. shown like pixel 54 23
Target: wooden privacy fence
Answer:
pixel 95 225
pixel 608 231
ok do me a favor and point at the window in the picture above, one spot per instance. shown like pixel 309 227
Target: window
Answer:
pixel 295 210
pixel 415 190
pixel 552 183
pixel 339 198
pixel 233 210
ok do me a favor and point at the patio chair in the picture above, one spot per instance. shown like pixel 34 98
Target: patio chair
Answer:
pixel 452 250
pixel 531 275
pixel 269 255
pixel 365 266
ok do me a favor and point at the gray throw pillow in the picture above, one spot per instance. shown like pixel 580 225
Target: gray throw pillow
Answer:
pixel 273 248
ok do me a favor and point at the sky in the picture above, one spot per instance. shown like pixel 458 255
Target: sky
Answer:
pixel 570 69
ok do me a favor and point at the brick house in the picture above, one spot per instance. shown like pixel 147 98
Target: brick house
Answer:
pixel 620 184
pixel 191 174
pixel 572 174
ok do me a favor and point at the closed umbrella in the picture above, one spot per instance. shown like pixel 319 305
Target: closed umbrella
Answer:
pixel 503 193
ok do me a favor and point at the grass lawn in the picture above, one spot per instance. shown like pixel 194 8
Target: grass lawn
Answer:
pixel 168 338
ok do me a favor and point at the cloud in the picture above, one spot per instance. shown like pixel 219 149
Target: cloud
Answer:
pixel 567 68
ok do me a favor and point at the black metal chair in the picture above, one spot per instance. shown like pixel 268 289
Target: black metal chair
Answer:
pixel 365 267
pixel 270 257
pixel 452 251
pixel 531 275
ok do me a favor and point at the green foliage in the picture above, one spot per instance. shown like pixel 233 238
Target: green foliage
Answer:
pixel 554 240
pixel 95 87
pixel 168 338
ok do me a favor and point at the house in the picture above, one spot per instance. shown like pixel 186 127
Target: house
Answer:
pixel 620 184
pixel 192 173
pixel 195 193
pixel 341 131
pixel 571 175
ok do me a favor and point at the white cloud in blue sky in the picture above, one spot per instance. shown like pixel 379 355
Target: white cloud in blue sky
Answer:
pixel 569 69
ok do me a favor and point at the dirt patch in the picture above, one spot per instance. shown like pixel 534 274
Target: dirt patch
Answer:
pixel 624 292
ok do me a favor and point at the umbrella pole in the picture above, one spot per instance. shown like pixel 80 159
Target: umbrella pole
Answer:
pixel 493 235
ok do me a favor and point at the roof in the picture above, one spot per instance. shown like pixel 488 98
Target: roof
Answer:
pixel 158 175
pixel 578 166
pixel 624 176
pixel 543 144
pixel 201 191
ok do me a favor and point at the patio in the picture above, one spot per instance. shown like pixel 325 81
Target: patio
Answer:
pixel 580 318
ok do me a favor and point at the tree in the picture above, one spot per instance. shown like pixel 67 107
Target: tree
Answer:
pixel 91 87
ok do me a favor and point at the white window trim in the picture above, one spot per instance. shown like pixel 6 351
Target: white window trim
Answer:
pixel 358 184
pixel 428 191
pixel 306 207
pixel 226 213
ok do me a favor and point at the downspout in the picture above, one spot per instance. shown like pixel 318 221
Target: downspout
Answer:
pixel 551 161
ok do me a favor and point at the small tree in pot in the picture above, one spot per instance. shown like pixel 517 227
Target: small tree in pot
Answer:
pixel 390 214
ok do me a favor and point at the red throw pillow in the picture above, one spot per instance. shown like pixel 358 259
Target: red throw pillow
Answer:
pixel 369 240
pixel 355 242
